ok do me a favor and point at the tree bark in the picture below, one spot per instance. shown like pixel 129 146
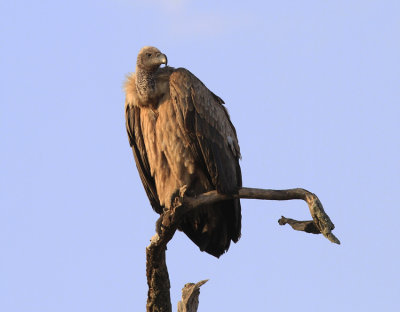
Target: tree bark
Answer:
pixel 190 297
pixel 158 298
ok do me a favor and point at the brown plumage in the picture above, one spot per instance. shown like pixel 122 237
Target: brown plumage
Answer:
pixel 181 136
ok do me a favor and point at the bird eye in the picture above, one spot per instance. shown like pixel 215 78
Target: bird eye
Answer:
pixel 148 54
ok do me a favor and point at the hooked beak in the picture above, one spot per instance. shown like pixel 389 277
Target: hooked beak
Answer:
pixel 163 59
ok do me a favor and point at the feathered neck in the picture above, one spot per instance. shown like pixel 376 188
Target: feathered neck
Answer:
pixel 145 88
pixel 145 83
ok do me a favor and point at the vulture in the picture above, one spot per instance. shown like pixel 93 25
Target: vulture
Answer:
pixel 183 139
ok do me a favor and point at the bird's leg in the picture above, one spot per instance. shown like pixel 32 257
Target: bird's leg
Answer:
pixel 159 225
pixel 182 191
pixel 177 198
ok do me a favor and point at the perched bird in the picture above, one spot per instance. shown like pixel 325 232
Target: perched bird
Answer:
pixel 182 138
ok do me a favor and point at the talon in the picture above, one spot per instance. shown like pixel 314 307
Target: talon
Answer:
pixel 182 191
pixel 159 226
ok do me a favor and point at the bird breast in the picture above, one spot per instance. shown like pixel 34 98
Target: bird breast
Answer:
pixel 172 164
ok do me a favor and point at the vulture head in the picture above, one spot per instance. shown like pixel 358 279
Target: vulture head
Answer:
pixel 150 58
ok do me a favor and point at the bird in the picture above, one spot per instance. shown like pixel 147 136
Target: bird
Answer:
pixel 182 138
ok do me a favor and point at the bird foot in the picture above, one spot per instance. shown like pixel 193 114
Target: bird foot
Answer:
pixel 177 197
pixel 182 191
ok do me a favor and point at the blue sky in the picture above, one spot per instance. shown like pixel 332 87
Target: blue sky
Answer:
pixel 313 90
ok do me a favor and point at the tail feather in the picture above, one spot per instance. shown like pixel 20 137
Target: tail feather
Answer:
pixel 212 228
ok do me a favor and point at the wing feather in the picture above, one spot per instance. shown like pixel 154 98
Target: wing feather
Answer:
pixel 132 118
pixel 210 132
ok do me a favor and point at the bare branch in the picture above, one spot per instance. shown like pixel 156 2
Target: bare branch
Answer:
pixel 158 299
pixel 321 220
pixel 305 226
pixel 190 297
pixel 158 296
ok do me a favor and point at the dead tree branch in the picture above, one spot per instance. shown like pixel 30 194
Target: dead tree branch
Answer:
pixel 158 299
pixel 190 297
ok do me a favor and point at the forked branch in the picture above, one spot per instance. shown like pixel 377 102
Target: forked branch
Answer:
pixel 156 269
pixel 321 222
